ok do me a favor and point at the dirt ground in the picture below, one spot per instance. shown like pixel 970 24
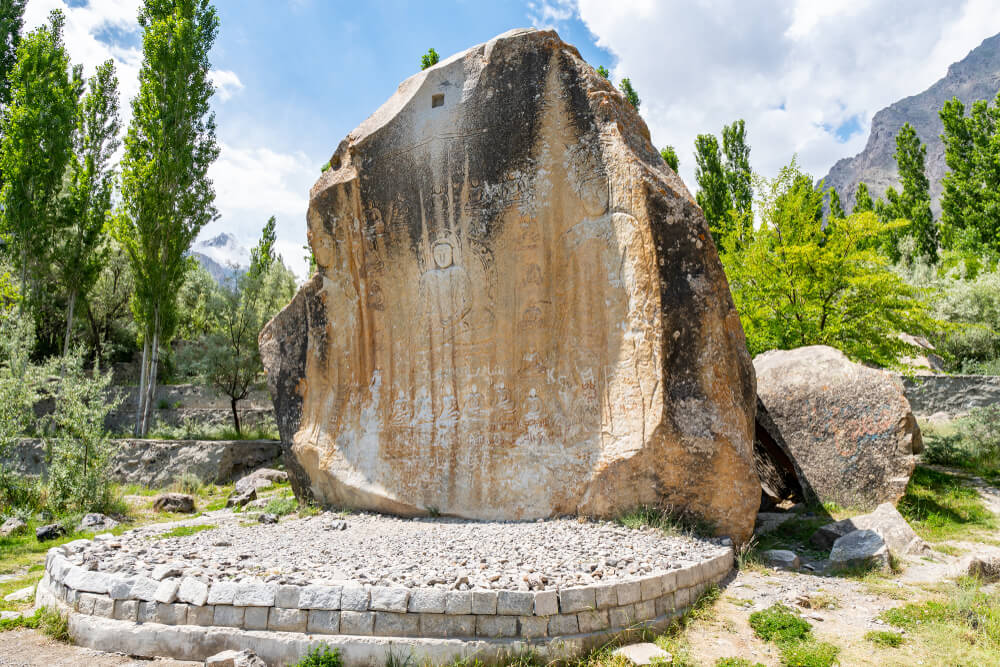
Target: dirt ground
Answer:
pixel 30 648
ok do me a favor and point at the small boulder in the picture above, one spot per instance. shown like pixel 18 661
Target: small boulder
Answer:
pixel 96 522
pixel 49 532
pixel 12 526
pixel 174 502
pixel 782 559
pixel 885 520
pixel 268 517
pixel 241 499
pixel 260 479
pixel 245 658
pixel 21 594
pixel 860 549
pixel 10 615
pixel 645 653
pixel 984 567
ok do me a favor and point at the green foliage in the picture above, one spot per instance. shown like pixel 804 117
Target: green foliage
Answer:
pixel 631 96
pixel 282 506
pixel 109 330
pixel 797 282
pixel 603 71
pixel 737 662
pixel 321 656
pixel 862 200
pixel 167 196
pixel 970 204
pixel 738 175
pixel 940 507
pixel 780 624
pixel 713 192
pixel 836 209
pixel 668 520
pixel 36 144
pixel 11 22
pixel 725 191
pixel 669 156
pixel 884 638
pixel 184 531
pixel 809 654
pixel 429 59
pixel 913 203
pixel 973 443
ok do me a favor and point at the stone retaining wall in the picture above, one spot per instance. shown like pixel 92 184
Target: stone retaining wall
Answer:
pixel 951 394
pixel 348 611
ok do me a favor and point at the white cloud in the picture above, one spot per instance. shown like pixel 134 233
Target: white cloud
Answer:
pixel 252 184
pixel 550 13
pixel 226 83
pixel 795 71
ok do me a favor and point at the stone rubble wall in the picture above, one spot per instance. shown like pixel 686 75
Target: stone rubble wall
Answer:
pixel 952 395
pixel 360 611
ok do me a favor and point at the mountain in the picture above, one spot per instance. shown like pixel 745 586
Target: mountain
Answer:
pixel 222 256
pixel 976 77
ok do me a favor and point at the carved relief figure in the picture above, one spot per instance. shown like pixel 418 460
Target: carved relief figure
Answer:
pixel 401 414
pixel 444 292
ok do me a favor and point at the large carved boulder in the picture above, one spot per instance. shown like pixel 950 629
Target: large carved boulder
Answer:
pixel 518 310
pixel 847 427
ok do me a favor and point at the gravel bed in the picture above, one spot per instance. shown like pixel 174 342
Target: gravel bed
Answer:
pixel 390 551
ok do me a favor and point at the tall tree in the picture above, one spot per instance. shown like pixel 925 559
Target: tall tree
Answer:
pixel 713 191
pixel 862 200
pixel 669 156
pixel 914 202
pixel 86 206
pixel 836 208
pixel 11 22
pixel 970 206
pixel 429 59
pixel 630 93
pixel 36 144
pixel 166 195
pixel 739 177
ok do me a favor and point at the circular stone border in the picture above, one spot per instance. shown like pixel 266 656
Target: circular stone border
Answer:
pixel 186 619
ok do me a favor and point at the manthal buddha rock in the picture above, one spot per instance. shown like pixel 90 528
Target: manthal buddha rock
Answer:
pixel 518 310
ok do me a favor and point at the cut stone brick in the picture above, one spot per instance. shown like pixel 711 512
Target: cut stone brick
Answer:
pixel 484 602
pixel 392 624
pixel 287 620
pixel 321 597
pixel 515 603
pixel 577 599
pixel 389 598
pixel 546 603
pixel 496 626
pixel 357 622
pixel 323 621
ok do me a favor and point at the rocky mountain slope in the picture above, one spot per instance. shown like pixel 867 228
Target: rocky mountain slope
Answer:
pixel 976 77
pixel 222 256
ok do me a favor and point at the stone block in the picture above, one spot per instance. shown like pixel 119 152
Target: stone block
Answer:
pixel 255 618
pixel 645 610
pixel 687 576
pixel 682 598
pixel 127 610
pixel 388 598
pixel 621 617
pixel 321 597
pixel 606 596
pixel 287 597
pixel 121 588
pixel 104 606
pixel 629 592
pixel 193 591
pixel 651 588
pixel 171 614
pixel 166 591
pixel 88 581
pixel 222 592
pixel 354 598
pixel 86 603
pixel 532 627
pixel 563 624
pixel 147 612
pixel 393 624
pixel 484 602
pixel 428 601
pixel 255 594
pixel 357 622
pixel 577 599
pixel 323 621
pixel 668 580
pixel 665 604
pixel 546 603
pixel 167 571
pixel 496 626
pixel 515 603
pixel 201 615
pixel 228 616
pixel 287 620
pixel 459 602
pixel 444 625
pixel 593 621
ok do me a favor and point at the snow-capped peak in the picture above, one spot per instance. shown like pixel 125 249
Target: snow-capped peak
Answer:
pixel 224 249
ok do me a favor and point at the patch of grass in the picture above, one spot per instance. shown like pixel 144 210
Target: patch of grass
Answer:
pixel 737 662
pixel 184 531
pixel 820 600
pixel 49 621
pixel 21 551
pixel 282 506
pixel 780 624
pixel 810 653
pixel 8 587
pixel 321 656
pixel 939 506
pixel 669 520
pixel 884 638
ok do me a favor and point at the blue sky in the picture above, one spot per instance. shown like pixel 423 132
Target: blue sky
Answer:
pixel 295 76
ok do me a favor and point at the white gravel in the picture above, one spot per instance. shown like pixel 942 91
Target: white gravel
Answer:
pixel 384 550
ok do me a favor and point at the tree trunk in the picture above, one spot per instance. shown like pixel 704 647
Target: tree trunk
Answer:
pixel 140 398
pixel 236 417
pixel 152 378
pixel 69 322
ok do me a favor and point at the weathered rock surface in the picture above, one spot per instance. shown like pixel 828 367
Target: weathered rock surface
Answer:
pixel 860 549
pixel 12 526
pixel 885 520
pixel 245 658
pixel 96 522
pixel 781 558
pixel 49 532
pixel 261 478
pixel 779 476
pixel 848 427
pixel 173 502
pixel 239 499
pixel 982 566
pixel 518 312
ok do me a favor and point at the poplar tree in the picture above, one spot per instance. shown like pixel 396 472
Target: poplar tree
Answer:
pixel 738 177
pixel 914 202
pixel 11 22
pixel 86 205
pixel 725 187
pixel 713 192
pixel 166 195
pixel 836 208
pixel 862 200
pixel 36 145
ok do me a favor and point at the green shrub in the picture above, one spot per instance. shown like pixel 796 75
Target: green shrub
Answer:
pixel 808 653
pixel 780 624
pixel 48 620
pixel 282 506
pixel 884 638
pixel 321 656
pixel 189 483
pixel 737 662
